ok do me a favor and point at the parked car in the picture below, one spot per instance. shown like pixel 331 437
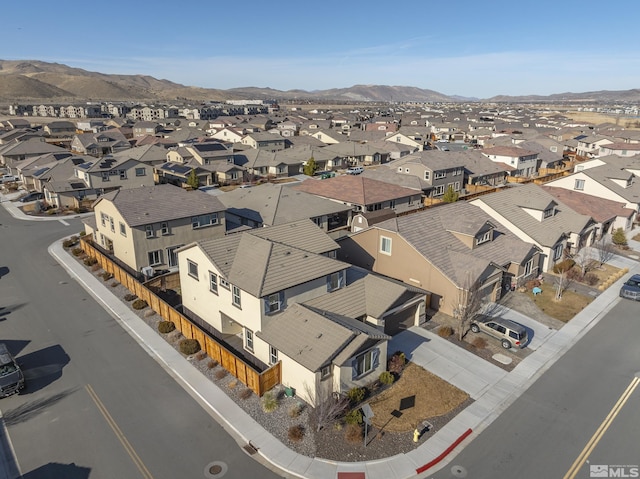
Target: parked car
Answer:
pixel 355 170
pixel 508 332
pixel 8 178
pixel 631 288
pixel 34 195
pixel 11 377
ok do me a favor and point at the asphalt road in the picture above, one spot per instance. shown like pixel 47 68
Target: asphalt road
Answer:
pixel 96 405
pixel 582 412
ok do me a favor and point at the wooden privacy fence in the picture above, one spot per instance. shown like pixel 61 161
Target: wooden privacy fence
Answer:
pixel 258 382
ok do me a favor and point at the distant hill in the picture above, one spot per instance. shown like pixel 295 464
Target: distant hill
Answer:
pixel 33 80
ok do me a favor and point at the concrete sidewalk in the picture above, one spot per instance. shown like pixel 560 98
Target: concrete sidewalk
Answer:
pixel 492 388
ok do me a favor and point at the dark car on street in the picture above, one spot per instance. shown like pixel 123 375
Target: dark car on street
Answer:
pixel 631 288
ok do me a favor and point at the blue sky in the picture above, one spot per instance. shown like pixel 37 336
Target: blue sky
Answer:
pixel 469 48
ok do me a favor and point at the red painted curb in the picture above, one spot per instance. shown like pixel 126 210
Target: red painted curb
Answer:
pixel 432 463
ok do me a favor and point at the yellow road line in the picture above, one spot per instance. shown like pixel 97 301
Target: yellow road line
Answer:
pixel 118 432
pixel 593 442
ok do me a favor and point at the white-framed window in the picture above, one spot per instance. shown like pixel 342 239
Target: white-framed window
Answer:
pixel 164 228
pixel 438 190
pixel 123 174
pixel 456 186
pixel 578 185
pixel 325 372
pixel 528 267
pixel 123 229
pixel 213 282
pixel 385 245
pixel 486 236
pixel 103 219
pixel 224 283
pixel 557 252
pixel 235 293
pixel 273 355
pixel 105 176
pixel 335 281
pixel 273 303
pixel 148 229
pixel 248 339
pixel 439 174
pixel 111 223
pixel 548 212
pixel 155 257
pixel 365 363
pixel 172 256
pixel 192 269
pixel 427 175
pixel 204 220
pixel 457 171
pixel 141 172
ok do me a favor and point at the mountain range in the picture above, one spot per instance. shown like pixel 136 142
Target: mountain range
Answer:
pixel 33 80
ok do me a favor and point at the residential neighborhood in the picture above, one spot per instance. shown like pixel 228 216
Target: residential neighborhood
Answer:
pixel 315 248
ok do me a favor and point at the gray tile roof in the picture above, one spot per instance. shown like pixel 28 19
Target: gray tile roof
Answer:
pixel 431 233
pixel 257 263
pixel 615 170
pixel 278 204
pixel 511 204
pixel 153 204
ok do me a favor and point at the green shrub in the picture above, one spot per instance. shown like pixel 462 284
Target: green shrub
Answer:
pixel 189 346
pixel 619 238
pixel 296 433
pixel 269 402
pixel 68 243
pixel 386 378
pixel 356 395
pixel 563 266
pixel 165 327
pixel 76 251
pixel 353 417
pixel 129 297
pixel 139 304
pixel 82 233
pixel 445 331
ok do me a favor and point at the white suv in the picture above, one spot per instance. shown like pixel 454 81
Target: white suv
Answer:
pixel 355 170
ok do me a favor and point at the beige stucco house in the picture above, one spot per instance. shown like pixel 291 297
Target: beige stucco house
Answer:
pixel 143 227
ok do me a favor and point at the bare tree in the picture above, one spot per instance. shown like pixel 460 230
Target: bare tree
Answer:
pixel 562 283
pixel 584 260
pixel 466 304
pixel 328 406
pixel 605 248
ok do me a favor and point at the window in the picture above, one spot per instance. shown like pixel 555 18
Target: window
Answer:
pixel 113 228
pixel 155 257
pixel 548 212
pixel 235 292
pixel 385 245
pixel 224 283
pixel 149 231
pixel 486 236
pixel 438 190
pixel 248 339
pixel 213 282
pixel 427 175
pixel 325 372
pixel 172 256
pixel 123 174
pixel 317 220
pixel 557 252
pixel 164 229
pixel 456 186
pixel 192 269
pixel 365 362
pixel 335 281
pixel 204 220
pixel 273 303
pixel 527 267
pixel 103 219
pixel 141 172
pixel 579 185
pixel 273 355
pixel 123 229
pixel 439 174
pixel 457 171
pixel 105 176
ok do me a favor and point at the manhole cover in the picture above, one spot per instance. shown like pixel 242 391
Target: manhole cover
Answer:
pixel 501 358
pixel 215 470
pixel 458 471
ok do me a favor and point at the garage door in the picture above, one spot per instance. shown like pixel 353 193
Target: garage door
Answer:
pixel 400 321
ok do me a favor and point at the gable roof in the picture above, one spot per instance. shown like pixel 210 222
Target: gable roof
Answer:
pixel 355 189
pixel 598 208
pixel 154 204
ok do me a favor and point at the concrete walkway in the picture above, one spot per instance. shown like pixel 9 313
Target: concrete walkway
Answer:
pixel 492 388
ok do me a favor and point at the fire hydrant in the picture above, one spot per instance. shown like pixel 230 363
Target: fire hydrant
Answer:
pixel 416 435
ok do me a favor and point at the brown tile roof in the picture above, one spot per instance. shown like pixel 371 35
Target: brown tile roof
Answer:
pixel 355 189
pixel 599 209
pixel 511 151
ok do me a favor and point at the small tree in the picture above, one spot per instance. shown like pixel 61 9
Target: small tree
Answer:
pixel 619 238
pixel 193 180
pixel 450 196
pixel 328 406
pixel 584 261
pixel 605 248
pixel 467 304
pixel 310 167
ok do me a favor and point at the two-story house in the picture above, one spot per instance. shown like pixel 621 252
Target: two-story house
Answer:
pixel 518 161
pixel 143 227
